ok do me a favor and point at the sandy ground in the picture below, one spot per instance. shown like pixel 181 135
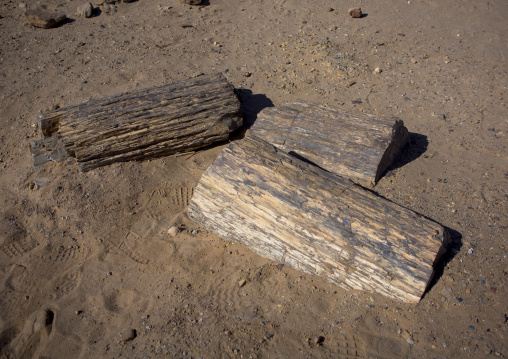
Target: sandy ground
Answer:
pixel 85 258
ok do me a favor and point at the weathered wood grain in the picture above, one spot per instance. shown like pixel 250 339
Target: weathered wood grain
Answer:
pixel 164 120
pixel 356 146
pixel 298 214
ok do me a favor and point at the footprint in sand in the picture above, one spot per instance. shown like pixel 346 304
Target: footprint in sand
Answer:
pixel 68 282
pixel 33 337
pixel 348 348
pixel 379 344
pixel 39 339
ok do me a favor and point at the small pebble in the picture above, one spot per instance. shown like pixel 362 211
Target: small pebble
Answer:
pixel 493 289
pixel 192 2
pixel 460 300
pixel 109 273
pixel 78 312
pixel 406 335
pixel 318 339
pixel 268 336
pixel 85 10
pixel 482 281
pixel 248 74
pixel 173 231
pixel 355 12
pixel 472 328
pixel 447 292
pixel 377 71
pixel 410 341
pixel 241 282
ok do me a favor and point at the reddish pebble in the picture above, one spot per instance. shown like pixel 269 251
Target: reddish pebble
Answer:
pixel 355 12
pixel 493 289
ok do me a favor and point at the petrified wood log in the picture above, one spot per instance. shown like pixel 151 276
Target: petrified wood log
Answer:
pixel 174 118
pixel 292 212
pixel 356 146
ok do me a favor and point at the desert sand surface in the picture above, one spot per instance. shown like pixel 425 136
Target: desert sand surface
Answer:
pixel 87 267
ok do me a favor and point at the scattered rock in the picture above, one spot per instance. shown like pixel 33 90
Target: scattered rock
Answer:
pixel 355 12
pixel 164 8
pixel 319 339
pixel 192 2
pixel 78 312
pixel 279 266
pixel 85 10
pixel 471 327
pixel 173 231
pixel 242 282
pixel 377 71
pixel 330 9
pixel 447 292
pixel 43 19
pixel 128 335
pixel 406 335
pixel 109 8
pixel 493 289
pixel 268 336
pixel 410 341
pixel 128 1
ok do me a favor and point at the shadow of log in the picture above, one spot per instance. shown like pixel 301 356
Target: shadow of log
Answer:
pixel 252 105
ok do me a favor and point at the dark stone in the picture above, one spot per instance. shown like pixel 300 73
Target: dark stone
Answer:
pixel 355 12
pixel 44 19
pixel 192 2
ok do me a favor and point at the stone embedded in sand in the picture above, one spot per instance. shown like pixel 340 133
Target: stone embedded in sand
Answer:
pixel 85 10
pixel 128 334
pixel 127 1
pixel 44 19
pixel 192 2
pixel 173 231
pixel 355 12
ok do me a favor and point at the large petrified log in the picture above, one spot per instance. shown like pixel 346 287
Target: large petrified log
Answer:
pixel 165 120
pixel 356 146
pixel 298 214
